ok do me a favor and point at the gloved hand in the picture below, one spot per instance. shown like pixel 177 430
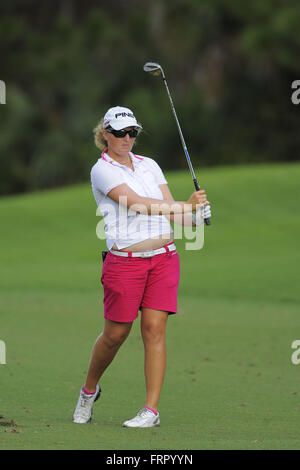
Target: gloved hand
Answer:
pixel 202 213
pixel 206 211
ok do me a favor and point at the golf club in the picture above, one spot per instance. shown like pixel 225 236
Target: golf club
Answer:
pixel 156 69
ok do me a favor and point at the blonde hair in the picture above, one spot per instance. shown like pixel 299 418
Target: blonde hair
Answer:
pixel 100 142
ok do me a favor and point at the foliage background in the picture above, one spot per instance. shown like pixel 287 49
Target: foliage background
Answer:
pixel 229 66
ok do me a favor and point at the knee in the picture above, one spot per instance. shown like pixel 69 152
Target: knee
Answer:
pixel 153 332
pixel 114 339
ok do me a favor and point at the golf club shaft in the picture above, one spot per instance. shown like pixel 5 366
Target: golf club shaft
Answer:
pixel 196 184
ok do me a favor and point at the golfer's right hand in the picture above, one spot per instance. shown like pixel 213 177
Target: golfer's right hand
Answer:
pixel 198 198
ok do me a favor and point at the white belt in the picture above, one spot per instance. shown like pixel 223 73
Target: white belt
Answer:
pixel 145 254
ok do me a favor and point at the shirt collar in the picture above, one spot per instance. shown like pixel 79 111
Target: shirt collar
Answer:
pixel 136 160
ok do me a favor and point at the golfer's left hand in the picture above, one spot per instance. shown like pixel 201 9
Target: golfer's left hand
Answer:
pixel 202 213
pixel 206 212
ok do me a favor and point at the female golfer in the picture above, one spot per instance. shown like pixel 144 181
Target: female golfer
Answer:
pixel 141 269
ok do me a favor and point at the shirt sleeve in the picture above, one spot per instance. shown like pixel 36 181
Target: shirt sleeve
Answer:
pixel 105 177
pixel 157 171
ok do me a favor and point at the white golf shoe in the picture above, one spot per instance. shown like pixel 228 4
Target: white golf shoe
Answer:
pixel 84 408
pixel 144 419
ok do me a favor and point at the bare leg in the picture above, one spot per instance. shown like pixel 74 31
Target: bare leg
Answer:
pixel 105 349
pixel 153 328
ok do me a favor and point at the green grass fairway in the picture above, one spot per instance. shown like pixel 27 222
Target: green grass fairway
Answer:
pixel 230 382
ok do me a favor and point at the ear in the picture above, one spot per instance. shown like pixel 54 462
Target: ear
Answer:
pixel 105 134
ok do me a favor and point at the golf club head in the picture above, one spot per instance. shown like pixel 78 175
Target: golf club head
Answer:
pixel 153 68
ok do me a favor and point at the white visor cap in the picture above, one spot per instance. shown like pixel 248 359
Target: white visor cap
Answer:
pixel 120 118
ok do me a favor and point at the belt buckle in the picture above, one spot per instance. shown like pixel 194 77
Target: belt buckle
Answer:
pixel 147 254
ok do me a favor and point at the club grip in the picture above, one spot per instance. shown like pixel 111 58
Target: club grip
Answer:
pixel 197 188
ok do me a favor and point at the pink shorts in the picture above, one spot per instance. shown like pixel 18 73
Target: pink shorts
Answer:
pixel 133 283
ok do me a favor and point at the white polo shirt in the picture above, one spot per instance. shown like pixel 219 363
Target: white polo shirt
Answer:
pixel 123 226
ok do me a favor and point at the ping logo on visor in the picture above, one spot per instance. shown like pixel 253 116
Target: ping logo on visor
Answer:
pixel 120 118
pixel 124 115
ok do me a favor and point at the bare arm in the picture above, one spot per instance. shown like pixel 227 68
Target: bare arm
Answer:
pixel 125 196
pixel 179 219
